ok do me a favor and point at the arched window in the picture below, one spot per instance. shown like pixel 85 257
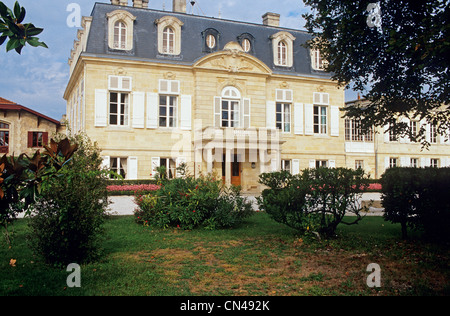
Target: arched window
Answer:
pixel 246 45
pixel 168 40
pixel 120 35
pixel 4 138
pixel 231 107
pixel 282 53
pixel 210 41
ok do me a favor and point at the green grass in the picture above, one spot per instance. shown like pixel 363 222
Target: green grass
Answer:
pixel 261 257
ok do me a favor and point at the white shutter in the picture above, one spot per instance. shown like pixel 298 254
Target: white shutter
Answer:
pixel 335 116
pixel 332 163
pixel 309 119
pixel 405 161
pixel 386 162
pixel 312 163
pixel 386 133
pixel 138 109
pixel 298 118
pixel 155 164
pixel 101 108
pixel 246 116
pixel 295 166
pixel 132 168
pixel 186 112
pixel 274 164
pixel 152 110
pixel 217 111
pixel 164 86
pixel 270 115
pixel 106 162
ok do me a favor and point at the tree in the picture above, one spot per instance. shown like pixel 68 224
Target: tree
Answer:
pixel 396 53
pixel 19 34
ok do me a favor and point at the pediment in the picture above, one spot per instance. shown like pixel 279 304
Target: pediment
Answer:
pixel 233 61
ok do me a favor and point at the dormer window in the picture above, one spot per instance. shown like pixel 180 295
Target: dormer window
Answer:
pixel 246 45
pixel 211 38
pixel 120 30
pixel 210 41
pixel 318 63
pixel 283 49
pixel 169 35
pixel 168 41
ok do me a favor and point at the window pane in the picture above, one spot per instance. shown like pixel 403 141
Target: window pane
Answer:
pixel 162 111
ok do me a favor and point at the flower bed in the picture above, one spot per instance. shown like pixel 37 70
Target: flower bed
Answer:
pixel 131 189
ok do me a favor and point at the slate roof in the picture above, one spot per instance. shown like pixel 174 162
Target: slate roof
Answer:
pixel 192 43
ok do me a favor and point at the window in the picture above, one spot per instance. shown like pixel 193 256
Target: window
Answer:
pixel 4 138
pixel 246 45
pixel 120 35
pixel 359 164
pixel 433 134
pixel 413 129
pixel 393 162
pixel 414 162
pixel 210 41
pixel 169 35
pixel 231 106
pixel 168 41
pixel 321 163
pixel 354 132
pixel 434 162
pixel 37 139
pixel 282 54
pixel 283 117
pixel 118 108
pixel 286 165
pixel 283 49
pixel 167 111
pixel 119 166
pixel 170 165
pixel 120 29
pixel 320 119
pixel 318 63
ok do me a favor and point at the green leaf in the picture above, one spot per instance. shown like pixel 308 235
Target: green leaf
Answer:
pixel 2 39
pixel 13 43
pixel 17 9
pixel 3 9
pixel 19 49
pixel 34 41
pixel 33 31
pixel 21 17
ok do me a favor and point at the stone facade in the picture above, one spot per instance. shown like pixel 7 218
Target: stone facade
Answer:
pixel 23 130
pixel 259 106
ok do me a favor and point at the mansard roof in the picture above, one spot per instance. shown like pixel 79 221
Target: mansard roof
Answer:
pixel 145 39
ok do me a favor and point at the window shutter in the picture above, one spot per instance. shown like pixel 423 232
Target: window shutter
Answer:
pixel 335 116
pixel 246 112
pixel 45 138
pixel 312 163
pixel 405 161
pixel 175 87
pixel 132 168
pixel 101 108
pixel 332 163
pixel 295 166
pixel 298 118
pixel 152 110
pixel 155 164
pixel 138 109
pixel 217 111
pixel 186 112
pixel 386 162
pixel 274 164
pixel 309 119
pixel 270 115
pixel 30 139
pixel 386 134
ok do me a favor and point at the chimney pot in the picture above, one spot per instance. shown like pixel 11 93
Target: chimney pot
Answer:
pixel 179 6
pixel 137 3
pixel 115 2
pixel 271 19
pixel 123 3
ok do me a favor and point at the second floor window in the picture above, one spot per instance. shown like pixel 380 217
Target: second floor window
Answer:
pixel 167 111
pixel 282 53
pixel 320 119
pixel 283 117
pixel 168 41
pixel 118 108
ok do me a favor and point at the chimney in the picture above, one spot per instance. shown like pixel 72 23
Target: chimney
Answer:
pixel 145 3
pixel 179 6
pixel 123 2
pixel 271 19
pixel 115 2
pixel 137 3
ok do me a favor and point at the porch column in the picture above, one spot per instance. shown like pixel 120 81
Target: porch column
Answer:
pixel 209 160
pixel 228 167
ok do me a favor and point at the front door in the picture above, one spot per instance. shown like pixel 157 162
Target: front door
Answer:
pixel 235 170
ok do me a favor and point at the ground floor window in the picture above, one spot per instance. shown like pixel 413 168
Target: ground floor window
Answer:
pixel 359 164
pixel 119 166
pixel 321 163
pixel 170 165
pixel 434 162
pixel 286 165
pixel 393 162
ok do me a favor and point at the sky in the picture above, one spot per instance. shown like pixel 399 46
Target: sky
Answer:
pixel 37 78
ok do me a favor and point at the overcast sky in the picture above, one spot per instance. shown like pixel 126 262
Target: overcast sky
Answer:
pixel 37 78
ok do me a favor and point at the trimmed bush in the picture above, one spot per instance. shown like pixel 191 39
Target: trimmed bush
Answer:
pixel 419 199
pixel 188 203
pixel 315 200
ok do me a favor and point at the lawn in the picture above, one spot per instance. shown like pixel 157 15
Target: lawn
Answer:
pixel 260 258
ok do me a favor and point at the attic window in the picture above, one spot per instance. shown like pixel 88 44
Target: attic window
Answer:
pixel 283 49
pixel 120 30
pixel 210 41
pixel 169 35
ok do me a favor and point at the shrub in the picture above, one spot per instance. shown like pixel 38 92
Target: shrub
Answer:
pixel 418 198
pixel 316 200
pixel 188 203
pixel 66 226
